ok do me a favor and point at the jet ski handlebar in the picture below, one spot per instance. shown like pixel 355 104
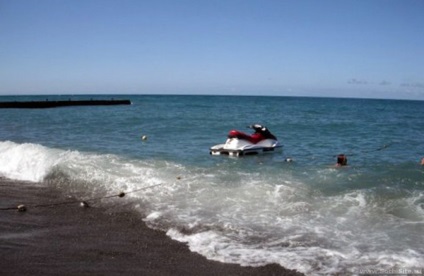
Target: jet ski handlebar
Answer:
pixel 263 131
pixel 257 127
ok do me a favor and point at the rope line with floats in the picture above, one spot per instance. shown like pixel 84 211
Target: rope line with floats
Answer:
pixel 84 203
pixel 383 147
pixel 342 158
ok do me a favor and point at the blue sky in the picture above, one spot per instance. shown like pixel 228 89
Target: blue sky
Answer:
pixel 343 48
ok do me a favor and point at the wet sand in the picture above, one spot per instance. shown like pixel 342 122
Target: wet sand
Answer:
pixel 72 240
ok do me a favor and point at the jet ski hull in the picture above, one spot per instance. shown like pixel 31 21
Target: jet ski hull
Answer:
pixel 237 147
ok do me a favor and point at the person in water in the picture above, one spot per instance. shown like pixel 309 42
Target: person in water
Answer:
pixel 422 162
pixel 341 160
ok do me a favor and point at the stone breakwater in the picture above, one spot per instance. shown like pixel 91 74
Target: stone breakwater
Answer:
pixel 51 104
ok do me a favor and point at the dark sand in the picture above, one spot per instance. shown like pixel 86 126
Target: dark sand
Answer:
pixel 72 240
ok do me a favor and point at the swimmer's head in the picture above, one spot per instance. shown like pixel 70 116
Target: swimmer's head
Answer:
pixel 341 160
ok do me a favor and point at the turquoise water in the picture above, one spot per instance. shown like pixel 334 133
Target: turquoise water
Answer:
pixel 306 215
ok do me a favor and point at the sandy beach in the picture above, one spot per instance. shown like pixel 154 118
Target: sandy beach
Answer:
pixel 71 240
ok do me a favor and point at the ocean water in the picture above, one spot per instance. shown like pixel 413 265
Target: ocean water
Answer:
pixel 306 214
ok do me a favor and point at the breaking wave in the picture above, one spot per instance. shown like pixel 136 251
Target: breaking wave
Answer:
pixel 245 217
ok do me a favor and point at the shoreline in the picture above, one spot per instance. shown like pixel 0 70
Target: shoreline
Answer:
pixel 71 240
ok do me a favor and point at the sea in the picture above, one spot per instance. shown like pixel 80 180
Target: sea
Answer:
pixel 294 208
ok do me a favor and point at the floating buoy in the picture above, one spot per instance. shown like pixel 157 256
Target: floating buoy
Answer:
pixel 21 208
pixel 144 137
pixel 288 160
pixel 84 204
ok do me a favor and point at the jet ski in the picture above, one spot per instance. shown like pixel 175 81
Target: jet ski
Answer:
pixel 239 143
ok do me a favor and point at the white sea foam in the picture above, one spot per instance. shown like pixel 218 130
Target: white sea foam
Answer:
pixel 240 217
pixel 29 162
pixel 36 163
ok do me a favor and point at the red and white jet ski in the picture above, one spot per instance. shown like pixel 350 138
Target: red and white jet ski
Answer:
pixel 240 144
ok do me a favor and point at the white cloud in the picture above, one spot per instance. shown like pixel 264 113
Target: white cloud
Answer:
pixel 385 83
pixel 412 84
pixel 356 81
